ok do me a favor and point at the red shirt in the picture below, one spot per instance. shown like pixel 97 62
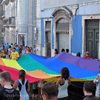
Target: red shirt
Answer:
pixel 87 57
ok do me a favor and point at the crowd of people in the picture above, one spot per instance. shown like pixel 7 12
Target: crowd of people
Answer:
pixel 48 90
pixel 15 51
pixel 78 54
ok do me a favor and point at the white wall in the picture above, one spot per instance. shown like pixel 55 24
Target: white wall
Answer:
pixel 57 3
pixel 38 24
pixel 1 24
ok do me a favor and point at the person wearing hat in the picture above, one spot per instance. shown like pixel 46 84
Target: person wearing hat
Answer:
pixel 87 55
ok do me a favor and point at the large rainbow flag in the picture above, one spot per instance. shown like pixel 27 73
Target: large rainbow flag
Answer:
pixel 44 68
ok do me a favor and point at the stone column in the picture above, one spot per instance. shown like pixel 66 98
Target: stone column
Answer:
pixel 99 39
pixel 1 24
pixel 38 24
pixel 30 32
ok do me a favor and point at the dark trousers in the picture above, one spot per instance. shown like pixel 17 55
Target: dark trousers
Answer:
pixel 3 56
pixel 65 98
pixel 35 91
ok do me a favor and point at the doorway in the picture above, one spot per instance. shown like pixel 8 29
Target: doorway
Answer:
pixel 62 41
pixel 92 38
pixel 62 34
pixel 48 38
pixel 21 39
pixel 48 43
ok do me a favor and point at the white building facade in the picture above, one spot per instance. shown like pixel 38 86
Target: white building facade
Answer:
pixel 19 21
pixel 1 24
pixel 69 24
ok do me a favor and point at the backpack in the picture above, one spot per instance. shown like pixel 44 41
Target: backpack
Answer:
pixel 10 94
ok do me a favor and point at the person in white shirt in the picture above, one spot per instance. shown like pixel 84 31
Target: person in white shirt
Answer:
pixel 63 83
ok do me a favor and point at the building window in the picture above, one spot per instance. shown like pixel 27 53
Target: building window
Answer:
pixel 48 25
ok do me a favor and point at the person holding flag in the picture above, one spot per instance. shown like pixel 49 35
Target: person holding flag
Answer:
pixel 97 82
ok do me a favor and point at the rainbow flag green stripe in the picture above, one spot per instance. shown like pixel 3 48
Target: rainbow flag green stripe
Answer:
pixel 40 68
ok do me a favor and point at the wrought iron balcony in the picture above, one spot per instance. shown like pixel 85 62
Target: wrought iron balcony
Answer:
pixel 12 25
pixel 3 14
pixel 5 22
pixel 10 22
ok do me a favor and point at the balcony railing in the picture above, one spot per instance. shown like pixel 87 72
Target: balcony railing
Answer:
pixel 10 22
pixel 6 23
pixel 3 13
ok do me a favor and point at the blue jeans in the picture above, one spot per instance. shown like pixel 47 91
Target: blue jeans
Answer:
pixel 3 56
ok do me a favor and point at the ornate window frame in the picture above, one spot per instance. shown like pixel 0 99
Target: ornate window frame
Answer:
pixel 66 15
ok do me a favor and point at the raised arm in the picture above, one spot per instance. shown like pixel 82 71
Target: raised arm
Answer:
pixel 28 86
pixel 58 82
pixel 15 85
pixel 96 78
pixel 69 81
